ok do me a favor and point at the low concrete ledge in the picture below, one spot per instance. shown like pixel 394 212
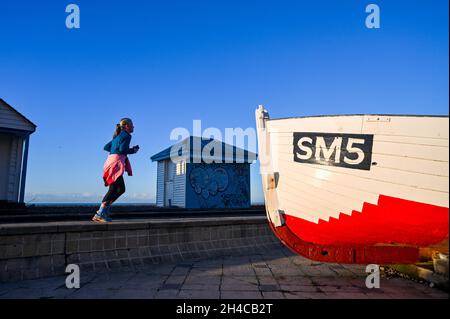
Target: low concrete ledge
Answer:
pixel 62 227
pixel 36 250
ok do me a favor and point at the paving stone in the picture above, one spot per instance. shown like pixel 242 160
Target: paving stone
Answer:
pixel 232 261
pixel 331 281
pixel 317 270
pixel 208 263
pixel 239 283
pixel 240 270
pixel 341 271
pixel 346 295
pixel 50 283
pixel 294 280
pixel 175 280
pixel 25 293
pixel 144 281
pixel 166 294
pixel 230 280
pixel 339 289
pixel 274 287
pixel 273 295
pixel 267 280
pixel 261 272
pixel 195 286
pixel 165 269
pixel 127 293
pixel 299 288
pixel 199 294
pixel 60 293
pixel 206 280
pixel 270 274
pixel 7 288
pixel 305 295
pixel 92 293
pixel 237 294
pixel 206 271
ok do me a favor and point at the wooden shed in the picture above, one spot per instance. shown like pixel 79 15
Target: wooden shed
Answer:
pixel 203 173
pixel 15 130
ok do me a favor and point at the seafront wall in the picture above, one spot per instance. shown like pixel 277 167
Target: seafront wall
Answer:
pixel 37 250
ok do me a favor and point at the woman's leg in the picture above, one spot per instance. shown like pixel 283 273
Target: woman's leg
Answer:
pixel 111 195
pixel 116 189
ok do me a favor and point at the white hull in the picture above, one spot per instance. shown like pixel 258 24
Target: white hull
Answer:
pixel 319 168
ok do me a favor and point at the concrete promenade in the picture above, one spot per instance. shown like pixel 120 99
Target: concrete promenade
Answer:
pixel 273 274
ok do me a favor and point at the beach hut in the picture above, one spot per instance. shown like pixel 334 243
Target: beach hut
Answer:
pixel 15 130
pixel 203 173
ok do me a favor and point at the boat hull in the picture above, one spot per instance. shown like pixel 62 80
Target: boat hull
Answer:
pixel 356 189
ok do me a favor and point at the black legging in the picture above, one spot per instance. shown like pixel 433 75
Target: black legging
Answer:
pixel 115 190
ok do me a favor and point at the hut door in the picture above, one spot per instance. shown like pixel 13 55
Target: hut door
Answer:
pixel 168 186
pixel 5 152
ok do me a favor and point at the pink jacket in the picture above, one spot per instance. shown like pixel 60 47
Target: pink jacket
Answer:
pixel 115 166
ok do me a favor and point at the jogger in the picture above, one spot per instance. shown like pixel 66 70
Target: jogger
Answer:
pixel 115 166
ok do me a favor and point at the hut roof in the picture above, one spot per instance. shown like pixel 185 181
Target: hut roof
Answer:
pixel 193 148
pixel 13 120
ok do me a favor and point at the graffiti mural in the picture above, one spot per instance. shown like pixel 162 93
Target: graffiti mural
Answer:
pixel 218 185
pixel 208 181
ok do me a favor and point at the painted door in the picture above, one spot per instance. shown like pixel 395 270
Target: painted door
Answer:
pixel 5 151
pixel 168 184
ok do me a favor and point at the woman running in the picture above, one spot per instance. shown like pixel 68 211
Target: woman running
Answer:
pixel 115 166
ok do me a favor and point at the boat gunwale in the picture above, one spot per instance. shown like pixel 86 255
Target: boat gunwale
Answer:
pixel 345 115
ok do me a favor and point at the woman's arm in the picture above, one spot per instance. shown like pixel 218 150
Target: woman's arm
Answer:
pixel 108 147
pixel 124 146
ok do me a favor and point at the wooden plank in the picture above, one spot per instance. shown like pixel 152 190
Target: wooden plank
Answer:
pixel 340 178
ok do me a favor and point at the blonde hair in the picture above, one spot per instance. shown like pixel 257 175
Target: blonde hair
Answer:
pixel 121 125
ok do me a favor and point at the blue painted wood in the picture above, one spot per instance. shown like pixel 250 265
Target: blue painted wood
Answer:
pixel 248 157
pixel 24 170
pixel 218 185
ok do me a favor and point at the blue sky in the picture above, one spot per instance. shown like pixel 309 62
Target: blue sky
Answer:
pixel 165 64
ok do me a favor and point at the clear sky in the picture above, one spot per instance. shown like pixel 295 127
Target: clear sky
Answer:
pixel 167 63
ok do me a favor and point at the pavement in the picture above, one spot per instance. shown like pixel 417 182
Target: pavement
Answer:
pixel 277 274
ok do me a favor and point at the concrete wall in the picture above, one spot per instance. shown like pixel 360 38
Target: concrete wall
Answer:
pixel 218 185
pixel 37 250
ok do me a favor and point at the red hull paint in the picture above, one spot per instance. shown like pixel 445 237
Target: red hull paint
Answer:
pixel 390 232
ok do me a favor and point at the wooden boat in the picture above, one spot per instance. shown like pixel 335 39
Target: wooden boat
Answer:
pixel 356 188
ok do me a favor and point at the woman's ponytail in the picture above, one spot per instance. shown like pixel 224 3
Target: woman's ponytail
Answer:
pixel 118 130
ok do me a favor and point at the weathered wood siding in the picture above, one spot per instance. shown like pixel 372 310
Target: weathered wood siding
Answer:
pixel 160 184
pixel 179 185
pixel 11 149
pixel 170 179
